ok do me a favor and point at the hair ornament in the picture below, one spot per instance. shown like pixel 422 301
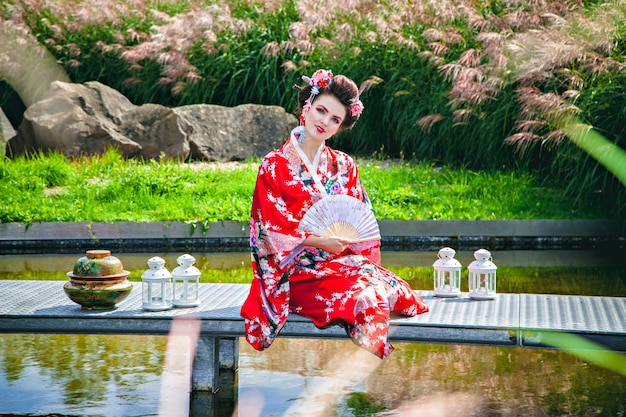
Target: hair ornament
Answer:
pixel 320 79
pixel 307 105
pixel 356 108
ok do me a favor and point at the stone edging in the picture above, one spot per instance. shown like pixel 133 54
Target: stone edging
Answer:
pixel 397 235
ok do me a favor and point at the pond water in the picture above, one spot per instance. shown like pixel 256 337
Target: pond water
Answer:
pixel 112 375
pixel 109 375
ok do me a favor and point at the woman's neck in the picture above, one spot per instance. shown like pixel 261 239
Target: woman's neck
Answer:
pixel 310 148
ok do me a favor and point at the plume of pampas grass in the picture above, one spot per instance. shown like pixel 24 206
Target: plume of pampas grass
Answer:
pixel 426 123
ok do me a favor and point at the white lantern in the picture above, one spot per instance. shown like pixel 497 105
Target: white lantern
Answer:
pixel 482 276
pixel 447 274
pixel 156 285
pixel 186 282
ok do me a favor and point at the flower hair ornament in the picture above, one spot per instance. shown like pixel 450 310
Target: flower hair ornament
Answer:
pixel 356 108
pixel 320 79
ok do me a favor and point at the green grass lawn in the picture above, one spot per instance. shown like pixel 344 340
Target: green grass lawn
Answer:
pixel 110 189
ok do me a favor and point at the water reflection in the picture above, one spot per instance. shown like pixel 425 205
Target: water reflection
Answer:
pixel 296 375
pixel 109 375
pixel 120 376
pixel 61 263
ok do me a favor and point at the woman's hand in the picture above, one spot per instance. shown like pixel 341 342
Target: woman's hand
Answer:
pixel 331 244
pixel 335 245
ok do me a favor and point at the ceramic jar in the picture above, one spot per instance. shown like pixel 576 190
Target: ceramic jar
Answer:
pixel 98 281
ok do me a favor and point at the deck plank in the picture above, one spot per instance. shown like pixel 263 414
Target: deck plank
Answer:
pixel 598 319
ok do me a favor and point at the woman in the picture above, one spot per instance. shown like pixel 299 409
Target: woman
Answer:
pixel 327 279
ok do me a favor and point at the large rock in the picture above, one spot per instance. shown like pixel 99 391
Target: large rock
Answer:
pixel 6 129
pixel 235 133
pixel 76 119
pixel 87 119
pixel 157 130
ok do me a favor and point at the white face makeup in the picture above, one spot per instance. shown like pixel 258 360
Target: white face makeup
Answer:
pixel 324 118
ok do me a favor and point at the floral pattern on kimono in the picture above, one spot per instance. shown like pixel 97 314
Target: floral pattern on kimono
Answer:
pixel 350 289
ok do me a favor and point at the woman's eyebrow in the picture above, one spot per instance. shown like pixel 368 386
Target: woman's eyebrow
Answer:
pixel 326 110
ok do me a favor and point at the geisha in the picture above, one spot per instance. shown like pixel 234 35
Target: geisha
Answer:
pixel 329 279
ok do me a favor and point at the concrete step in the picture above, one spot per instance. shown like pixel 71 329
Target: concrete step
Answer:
pixel 396 235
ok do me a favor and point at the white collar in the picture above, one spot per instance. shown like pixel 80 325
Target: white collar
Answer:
pixel 297 132
pixel 311 166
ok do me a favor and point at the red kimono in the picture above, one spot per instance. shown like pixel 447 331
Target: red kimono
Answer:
pixel 350 289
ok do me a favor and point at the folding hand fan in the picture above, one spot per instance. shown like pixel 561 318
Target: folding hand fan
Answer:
pixel 342 216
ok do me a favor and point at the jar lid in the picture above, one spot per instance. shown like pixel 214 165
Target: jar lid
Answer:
pixel 98 253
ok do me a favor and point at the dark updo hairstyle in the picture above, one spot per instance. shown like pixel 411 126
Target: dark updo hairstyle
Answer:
pixel 341 87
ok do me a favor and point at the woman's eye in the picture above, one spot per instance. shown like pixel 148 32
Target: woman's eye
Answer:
pixel 335 120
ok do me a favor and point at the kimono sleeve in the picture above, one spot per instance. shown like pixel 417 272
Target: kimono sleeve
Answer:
pixel 277 207
pixel 274 234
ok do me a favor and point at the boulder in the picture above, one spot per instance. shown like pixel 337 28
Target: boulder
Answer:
pixel 87 119
pixel 6 129
pixel 157 130
pixel 235 133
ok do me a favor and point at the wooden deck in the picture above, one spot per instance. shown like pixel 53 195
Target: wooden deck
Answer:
pixel 509 320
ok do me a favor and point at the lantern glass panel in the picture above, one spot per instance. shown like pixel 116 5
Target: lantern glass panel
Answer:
pixel 157 294
pixel 185 292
